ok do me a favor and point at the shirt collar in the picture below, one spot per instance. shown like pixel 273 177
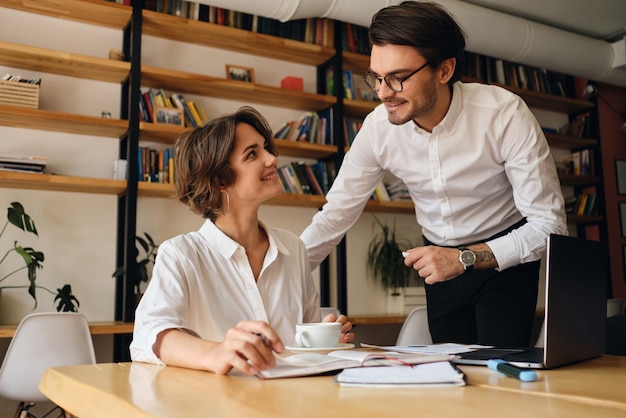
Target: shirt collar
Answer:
pixel 456 106
pixel 226 246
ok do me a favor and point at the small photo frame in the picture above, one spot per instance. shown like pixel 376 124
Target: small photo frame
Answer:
pixel 620 174
pixel 168 116
pixel 367 95
pixel 238 73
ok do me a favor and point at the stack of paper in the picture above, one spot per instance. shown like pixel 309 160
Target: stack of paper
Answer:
pixel 437 374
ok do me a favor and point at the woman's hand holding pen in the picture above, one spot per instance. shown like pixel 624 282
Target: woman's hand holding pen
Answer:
pixel 346 335
pixel 248 347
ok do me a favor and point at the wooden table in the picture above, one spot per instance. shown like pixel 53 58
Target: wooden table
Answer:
pixel 595 388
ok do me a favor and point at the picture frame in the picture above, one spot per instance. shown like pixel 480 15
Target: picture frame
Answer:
pixel 622 218
pixel 168 116
pixel 620 175
pixel 367 95
pixel 239 73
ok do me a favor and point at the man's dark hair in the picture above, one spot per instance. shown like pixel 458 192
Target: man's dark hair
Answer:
pixel 427 27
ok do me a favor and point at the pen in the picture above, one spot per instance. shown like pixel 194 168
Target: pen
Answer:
pixel 512 371
pixel 265 340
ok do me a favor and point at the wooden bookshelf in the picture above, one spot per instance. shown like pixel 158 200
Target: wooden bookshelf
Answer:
pixel 232 39
pixel 96 328
pixel 569 142
pixel 47 120
pixel 577 181
pixel 95 12
pixel 550 102
pixel 382 319
pixel 63 63
pixel 185 82
pixel 53 182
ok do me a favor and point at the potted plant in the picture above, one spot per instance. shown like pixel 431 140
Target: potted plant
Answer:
pixel 385 263
pixel 33 260
pixel 150 249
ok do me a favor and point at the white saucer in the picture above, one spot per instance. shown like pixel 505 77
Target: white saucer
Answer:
pixel 299 349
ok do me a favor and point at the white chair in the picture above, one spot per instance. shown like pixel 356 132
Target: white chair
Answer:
pixel 43 340
pixel 415 328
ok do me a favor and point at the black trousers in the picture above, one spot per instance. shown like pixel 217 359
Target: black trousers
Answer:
pixel 487 307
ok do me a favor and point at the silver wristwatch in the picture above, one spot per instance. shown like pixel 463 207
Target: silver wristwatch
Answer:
pixel 467 257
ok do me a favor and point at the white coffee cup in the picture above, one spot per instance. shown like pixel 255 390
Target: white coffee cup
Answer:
pixel 318 334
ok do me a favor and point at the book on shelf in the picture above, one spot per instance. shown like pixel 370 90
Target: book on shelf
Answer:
pixel 23 163
pixel 181 103
pixel 582 204
pixel 301 177
pixel 577 163
pixel 155 166
pixel 309 364
pixel 291 183
pixel 380 192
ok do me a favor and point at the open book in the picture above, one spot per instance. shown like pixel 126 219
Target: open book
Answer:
pixel 307 364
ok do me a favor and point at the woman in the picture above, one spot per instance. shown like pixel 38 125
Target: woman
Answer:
pixel 230 294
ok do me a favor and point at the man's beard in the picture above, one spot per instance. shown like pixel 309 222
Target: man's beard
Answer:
pixel 420 109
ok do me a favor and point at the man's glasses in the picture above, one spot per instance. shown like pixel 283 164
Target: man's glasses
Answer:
pixel 393 81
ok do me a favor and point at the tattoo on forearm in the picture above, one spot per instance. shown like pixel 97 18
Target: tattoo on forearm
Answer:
pixel 484 256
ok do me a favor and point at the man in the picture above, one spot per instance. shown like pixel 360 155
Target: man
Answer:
pixel 478 169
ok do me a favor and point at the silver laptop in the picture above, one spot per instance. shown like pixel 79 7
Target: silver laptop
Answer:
pixel 575 314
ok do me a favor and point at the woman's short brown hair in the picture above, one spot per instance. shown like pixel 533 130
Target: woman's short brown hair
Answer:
pixel 201 156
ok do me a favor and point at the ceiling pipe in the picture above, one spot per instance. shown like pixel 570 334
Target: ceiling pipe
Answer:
pixel 488 32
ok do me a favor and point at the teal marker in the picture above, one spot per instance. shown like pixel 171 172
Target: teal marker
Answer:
pixel 509 370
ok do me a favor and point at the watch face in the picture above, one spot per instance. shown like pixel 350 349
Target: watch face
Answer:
pixel 468 258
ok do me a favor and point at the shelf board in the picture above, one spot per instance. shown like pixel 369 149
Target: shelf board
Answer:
pixel 550 101
pixel 96 328
pixel 157 132
pixel 53 182
pixel 357 63
pixel 63 63
pixel 304 149
pixel 569 142
pixel 191 83
pixel 382 319
pixel 94 12
pixel 358 108
pixel 47 120
pixel 574 180
pixel 232 39
pixel 583 219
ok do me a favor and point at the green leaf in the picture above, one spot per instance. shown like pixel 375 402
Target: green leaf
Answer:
pixel 18 217
pixel 67 301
